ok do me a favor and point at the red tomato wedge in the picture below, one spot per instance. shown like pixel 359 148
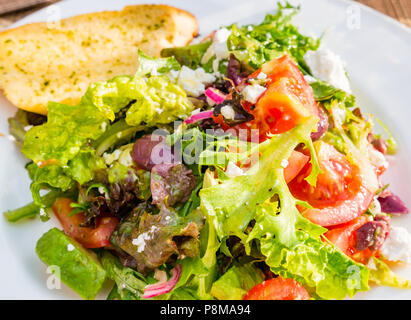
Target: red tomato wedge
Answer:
pixel 278 289
pixel 287 101
pixel 89 237
pixel 296 163
pixel 343 212
pixel 343 237
pixel 339 195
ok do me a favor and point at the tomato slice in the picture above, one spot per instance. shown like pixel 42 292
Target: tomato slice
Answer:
pixel 344 238
pixel 296 163
pixel 339 195
pixel 343 212
pixel 278 289
pixel 89 237
pixel 287 101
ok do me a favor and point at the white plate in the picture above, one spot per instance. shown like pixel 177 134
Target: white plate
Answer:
pixel 376 48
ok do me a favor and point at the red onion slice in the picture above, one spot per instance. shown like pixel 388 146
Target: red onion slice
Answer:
pixel 215 95
pixel 199 116
pixel 157 289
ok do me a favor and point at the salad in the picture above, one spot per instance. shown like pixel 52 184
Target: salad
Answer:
pixel 237 167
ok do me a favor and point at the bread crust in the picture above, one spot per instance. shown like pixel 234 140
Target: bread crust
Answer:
pixel 36 61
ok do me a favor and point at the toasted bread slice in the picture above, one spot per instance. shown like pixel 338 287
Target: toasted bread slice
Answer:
pixel 57 61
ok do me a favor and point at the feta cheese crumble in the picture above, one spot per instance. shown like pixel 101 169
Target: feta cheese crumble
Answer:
pixel 140 241
pixel 253 92
pixel 397 247
pixel 43 212
pixel 218 48
pixel 70 247
pixel 228 112
pixel 284 163
pixel 327 66
pixel 192 81
pixel 233 170
pixel 261 76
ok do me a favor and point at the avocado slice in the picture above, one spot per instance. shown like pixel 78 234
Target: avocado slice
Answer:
pixel 79 268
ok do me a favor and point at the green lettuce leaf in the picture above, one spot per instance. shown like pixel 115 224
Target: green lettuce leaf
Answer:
pixel 109 97
pixel 67 129
pixel 382 275
pixel 293 248
pixel 236 282
pixel 291 244
pixel 154 66
pixel 157 101
pixel 189 56
pixel 232 204
pixel 130 284
pixel 189 286
pixel 254 45
pixel 81 168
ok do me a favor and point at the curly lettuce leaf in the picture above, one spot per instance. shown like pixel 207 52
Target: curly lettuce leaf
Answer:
pixel 232 203
pixel 81 169
pixel 67 129
pixel 109 97
pixel 254 45
pixel 293 248
pixel 291 244
pixel 153 66
pixel 157 101
pixel 51 176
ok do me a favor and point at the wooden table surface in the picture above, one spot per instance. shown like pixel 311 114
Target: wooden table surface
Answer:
pixel 397 9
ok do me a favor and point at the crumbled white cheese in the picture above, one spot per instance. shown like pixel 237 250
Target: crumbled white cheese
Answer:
pixel 218 48
pixel 221 35
pixel 375 206
pixel 140 241
pixel 327 66
pixel 228 112
pixel 251 93
pixel 261 76
pixel 284 163
pixel 70 247
pixel 43 212
pixel 109 158
pixel 192 81
pixel 397 247
pixel 233 170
